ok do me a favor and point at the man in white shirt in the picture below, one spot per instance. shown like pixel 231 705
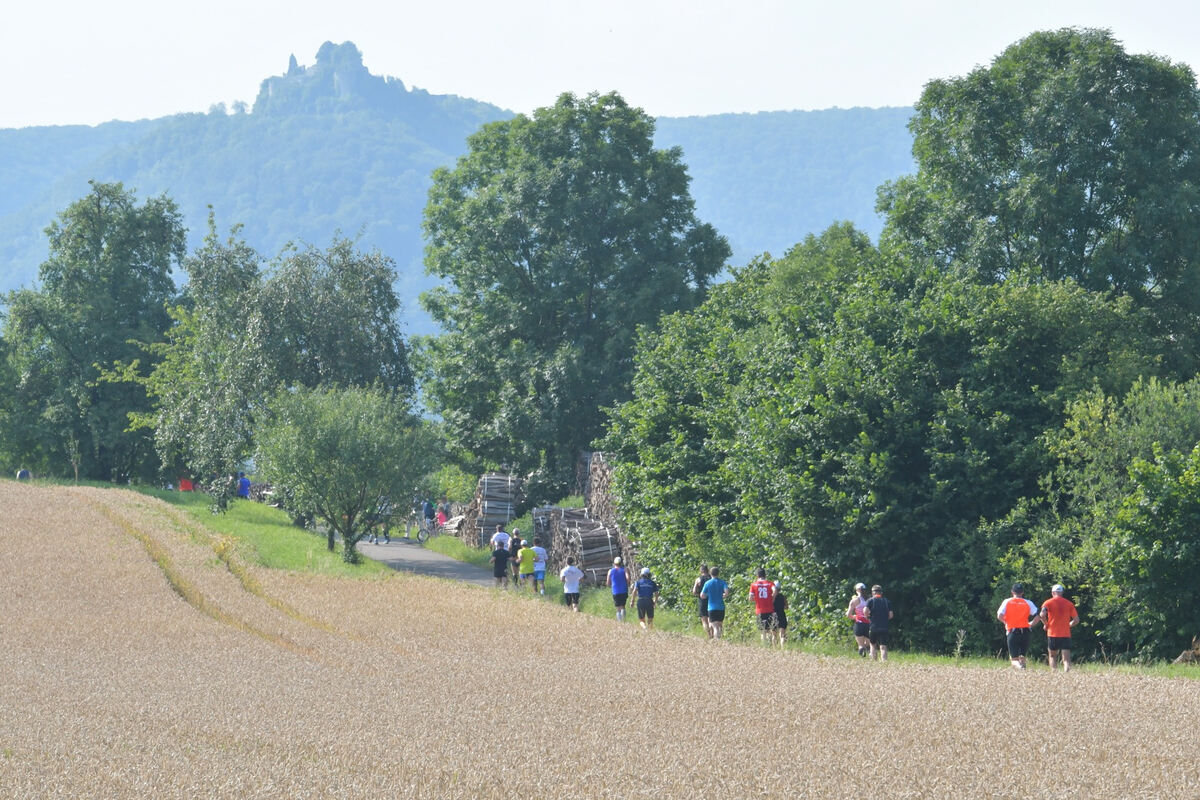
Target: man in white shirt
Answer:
pixel 539 565
pixel 571 576
pixel 500 538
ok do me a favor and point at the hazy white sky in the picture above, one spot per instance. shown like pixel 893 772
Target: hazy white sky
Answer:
pixel 89 62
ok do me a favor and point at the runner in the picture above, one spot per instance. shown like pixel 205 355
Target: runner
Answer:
pixel 879 615
pixel 762 592
pixel 781 621
pixel 570 576
pixel 714 593
pixel 646 591
pixel 526 557
pixel 618 581
pixel 856 612
pixel 539 565
pixel 1059 615
pixel 514 548
pixel 499 561
pixel 697 587
pixel 1018 616
pixel 500 538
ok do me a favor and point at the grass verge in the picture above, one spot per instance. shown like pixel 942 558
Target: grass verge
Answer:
pixel 265 536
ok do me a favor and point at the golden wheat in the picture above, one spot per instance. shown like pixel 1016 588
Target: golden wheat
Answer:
pixel 140 658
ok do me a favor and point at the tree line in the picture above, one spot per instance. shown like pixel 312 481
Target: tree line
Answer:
pixel 1003 387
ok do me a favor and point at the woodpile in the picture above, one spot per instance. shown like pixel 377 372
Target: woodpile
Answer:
pixel 496 501
pixel 590 534
pixel 572 532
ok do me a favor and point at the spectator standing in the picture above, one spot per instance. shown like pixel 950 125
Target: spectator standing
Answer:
pixel 857 612
pixel 762 592
pixel 571 576
pixel 697 587
pixel 714 593
pixel 879 616
pixel 781 620
pixel 1059 615
pixel 646 591
pixel 243 486
pixel 428 513
pixel 185 484
pixel 618 582
pixel 443 512
pixel 24 474
pixel 539 565
pixel 1018 615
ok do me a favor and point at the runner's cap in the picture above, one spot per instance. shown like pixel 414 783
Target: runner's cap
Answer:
pixel 617 561
pixel 645 570
pixel 1057 589
pixel 858 586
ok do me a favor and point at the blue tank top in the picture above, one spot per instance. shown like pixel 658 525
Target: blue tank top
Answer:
pixel 619 580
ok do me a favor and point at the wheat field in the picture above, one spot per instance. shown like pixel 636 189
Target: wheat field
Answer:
pixel 140 657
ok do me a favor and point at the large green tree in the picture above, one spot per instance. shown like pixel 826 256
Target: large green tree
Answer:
pixel 1066 157
pixel 338 451
pixel 210 372
pixel 557 236
pixel 105 285
pixel 330 317
pixel 313 318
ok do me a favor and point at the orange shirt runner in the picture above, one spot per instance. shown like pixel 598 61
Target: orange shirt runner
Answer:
pixel 1059 613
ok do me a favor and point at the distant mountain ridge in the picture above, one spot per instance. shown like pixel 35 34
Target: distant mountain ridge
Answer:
pixel 331 147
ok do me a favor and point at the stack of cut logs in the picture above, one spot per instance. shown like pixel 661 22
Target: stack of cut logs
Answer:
pixel 571 532
pixel 590 534
pixel 496 499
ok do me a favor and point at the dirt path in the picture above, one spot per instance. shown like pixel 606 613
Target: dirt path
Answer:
pixel 408 556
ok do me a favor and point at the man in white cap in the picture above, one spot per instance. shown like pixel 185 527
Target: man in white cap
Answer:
pixel 857 611
pixel 1059 616
pixel 646 591
pixel 618 581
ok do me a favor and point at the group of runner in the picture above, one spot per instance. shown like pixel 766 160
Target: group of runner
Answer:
pixel 526 559
pixel 871 613
pixel 1019 615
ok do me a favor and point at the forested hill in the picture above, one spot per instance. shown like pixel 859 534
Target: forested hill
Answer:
pixel 332 147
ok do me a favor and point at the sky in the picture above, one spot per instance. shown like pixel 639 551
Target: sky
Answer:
pixel 73 62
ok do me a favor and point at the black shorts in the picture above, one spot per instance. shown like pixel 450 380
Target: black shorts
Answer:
pixel 499 572
pixel 862 629
pixel 645 607
pixel 1018 642
pixel 716 614
pixel 781 620
pixel 766 621
pixel 704 609
pixel 571 598
pixel 1056 643
pixel 619 600
pixel 879 637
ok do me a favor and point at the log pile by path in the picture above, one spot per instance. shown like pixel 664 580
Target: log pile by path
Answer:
pixel 590 534
pixel 496 499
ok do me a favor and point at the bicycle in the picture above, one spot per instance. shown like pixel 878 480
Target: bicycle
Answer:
pixel 424 527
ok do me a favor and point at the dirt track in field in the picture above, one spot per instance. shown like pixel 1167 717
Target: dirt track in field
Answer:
pixel 139 657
